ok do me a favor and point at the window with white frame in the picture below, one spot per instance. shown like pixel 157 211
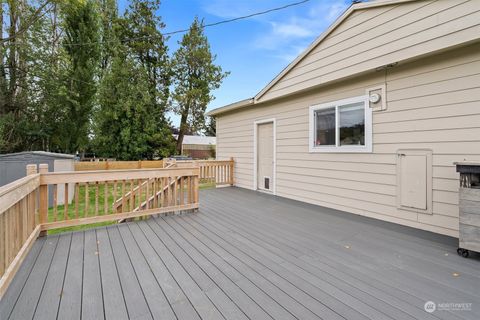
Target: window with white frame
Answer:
pixel 341 126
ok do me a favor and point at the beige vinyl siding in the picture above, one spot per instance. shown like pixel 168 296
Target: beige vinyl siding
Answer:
pixel 370 38
pixel 432 103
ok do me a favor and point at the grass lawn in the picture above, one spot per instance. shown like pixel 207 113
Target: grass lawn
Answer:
pixel 92 190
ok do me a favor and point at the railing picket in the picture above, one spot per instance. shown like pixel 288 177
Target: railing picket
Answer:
pixel 55 212
pixel 124 199
pixel 114 191
pixel 167 192
pixel 105 197
pixel 132 196
pixel 65 202
pixel 77 191
pixel 87 200
pixel 181 191
pixel 147 196
pixel 155 197
pixel 96 197
pixel 162 193
pixel 189 189
pixel 175 186
pixel 141 183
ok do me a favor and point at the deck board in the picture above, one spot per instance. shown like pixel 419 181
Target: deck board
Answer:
pixel 28 299
pixel 92 297
pixel 114 303
pixel 71 296
pixel 244 255
pixel 198 268
pixel 380 267
pixel 47 307
pixel 8 301
pixel 134 297
pixel 156 300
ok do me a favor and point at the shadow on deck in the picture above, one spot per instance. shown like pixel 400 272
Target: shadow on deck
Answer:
pixel 245 255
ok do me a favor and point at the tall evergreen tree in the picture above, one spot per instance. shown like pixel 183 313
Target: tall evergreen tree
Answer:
pixel 109 21
pixel 13 73
pixel 126 129
pixel 196 76
pixel 130 122
pixel 141 32
pixel 81 44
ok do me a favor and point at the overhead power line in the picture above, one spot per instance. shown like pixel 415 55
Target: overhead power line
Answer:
pixel 259 13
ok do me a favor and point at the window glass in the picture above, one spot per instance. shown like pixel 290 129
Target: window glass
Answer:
pixel 352 124
pixel 325 127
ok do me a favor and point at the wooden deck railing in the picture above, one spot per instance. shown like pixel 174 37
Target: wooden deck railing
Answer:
pixel 18 223
pixel 25 212
pixel 217 172
pixel 96 191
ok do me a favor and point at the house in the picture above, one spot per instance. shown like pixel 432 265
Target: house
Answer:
pixel 198 147
pixel 371 117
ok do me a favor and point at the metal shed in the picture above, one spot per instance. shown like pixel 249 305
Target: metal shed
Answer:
pixel 12 167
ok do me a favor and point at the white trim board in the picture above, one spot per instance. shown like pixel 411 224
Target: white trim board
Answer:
pixel 255 129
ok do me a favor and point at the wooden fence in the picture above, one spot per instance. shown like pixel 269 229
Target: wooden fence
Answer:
pixel 24 210
pixel 118 165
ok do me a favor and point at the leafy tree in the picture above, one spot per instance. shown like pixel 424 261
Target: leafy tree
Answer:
pixel 13 72
pixel 109 21
pixel 81 44
pixel 141 32
pixel 126 128
pixel 130 122
pixel 196 76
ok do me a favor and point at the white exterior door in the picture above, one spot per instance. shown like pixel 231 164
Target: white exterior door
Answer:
pixel 265 156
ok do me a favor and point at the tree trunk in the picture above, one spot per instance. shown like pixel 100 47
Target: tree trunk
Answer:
pixel 181 131
pixel 3 79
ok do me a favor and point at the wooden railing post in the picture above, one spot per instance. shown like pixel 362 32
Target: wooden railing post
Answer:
pixel 232 177
pixel 31 169
pixel 43 199
pixel 196 183
pixel 30 212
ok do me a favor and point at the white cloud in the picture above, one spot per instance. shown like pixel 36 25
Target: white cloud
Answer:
pixel 292 29
pixel 329 10
pixel 289 36
pixel 287 32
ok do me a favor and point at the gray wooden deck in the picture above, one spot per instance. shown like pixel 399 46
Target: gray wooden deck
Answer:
pixel 244 255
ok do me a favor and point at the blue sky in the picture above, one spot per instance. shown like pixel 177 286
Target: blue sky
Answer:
pixel 254 50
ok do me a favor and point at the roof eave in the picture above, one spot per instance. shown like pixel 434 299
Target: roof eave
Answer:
pixel 231 107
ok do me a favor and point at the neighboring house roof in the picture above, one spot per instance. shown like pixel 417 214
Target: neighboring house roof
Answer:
pixel 266 93
pixel 38 153
pixel 200 140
